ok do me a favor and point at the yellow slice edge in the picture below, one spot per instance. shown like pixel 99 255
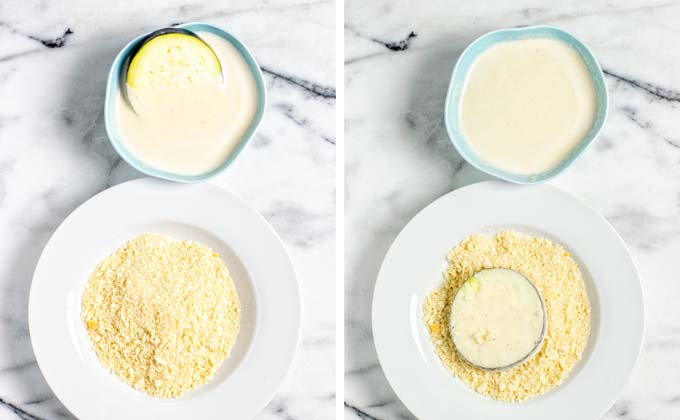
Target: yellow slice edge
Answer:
pixel 172 60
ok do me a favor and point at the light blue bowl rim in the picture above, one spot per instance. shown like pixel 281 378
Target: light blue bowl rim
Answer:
pixel 459 78
pixel 112 90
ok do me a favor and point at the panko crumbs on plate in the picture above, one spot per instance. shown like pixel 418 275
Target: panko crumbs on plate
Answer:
pixel 162 314
pixel 557 276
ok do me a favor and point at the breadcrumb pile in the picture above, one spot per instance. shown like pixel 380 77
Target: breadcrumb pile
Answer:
pixel 162 314
pixel 560 282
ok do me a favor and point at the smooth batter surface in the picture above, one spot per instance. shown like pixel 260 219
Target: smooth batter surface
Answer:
pixel 191 129
pixel 497 318
pixel 527 104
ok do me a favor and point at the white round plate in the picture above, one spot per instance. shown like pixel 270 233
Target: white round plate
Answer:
pixel 261 269
pixel 414 264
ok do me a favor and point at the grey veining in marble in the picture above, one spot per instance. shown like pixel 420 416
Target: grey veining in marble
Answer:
pixel 54 155
pixel 399 56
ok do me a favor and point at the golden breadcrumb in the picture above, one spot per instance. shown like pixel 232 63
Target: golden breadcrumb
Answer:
pixel 162 314
pixel 560 282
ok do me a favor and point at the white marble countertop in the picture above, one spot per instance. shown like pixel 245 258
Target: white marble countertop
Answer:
pixel 399 57
pixel 54 155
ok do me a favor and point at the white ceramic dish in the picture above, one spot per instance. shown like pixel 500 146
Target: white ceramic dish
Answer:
pixel 414 264
pixel 261 269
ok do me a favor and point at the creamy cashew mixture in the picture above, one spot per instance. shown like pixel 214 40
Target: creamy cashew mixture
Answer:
pixel 190 128
pixel 527 104
pixel 497 319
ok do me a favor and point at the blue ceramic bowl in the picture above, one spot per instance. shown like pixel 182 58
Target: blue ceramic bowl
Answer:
pixel 459 77
pixel 113 90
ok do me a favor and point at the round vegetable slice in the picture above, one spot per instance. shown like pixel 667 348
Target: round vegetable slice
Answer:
pixel 174 59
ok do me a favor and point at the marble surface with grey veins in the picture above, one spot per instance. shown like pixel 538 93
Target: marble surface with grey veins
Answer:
pixel 399 56
pixel 54 155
